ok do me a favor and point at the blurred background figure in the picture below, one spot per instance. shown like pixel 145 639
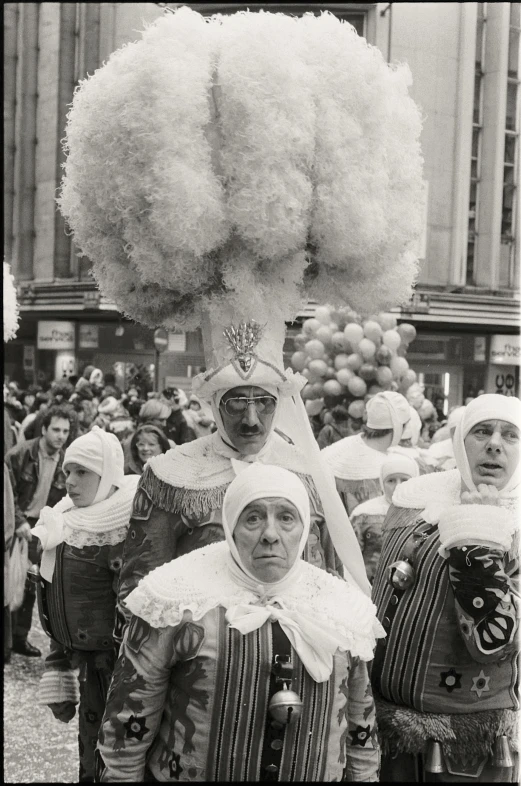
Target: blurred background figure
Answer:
pixel 177 426
pixel 147 441
pixel 199 417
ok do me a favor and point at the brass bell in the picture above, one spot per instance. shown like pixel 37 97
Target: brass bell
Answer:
pixel 434 757
pixel 401 575
pixel 285 706
pixel 501 753
pixel 33 573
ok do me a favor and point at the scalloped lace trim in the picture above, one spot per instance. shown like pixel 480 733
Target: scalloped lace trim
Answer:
pixel 200 581
pixel 81 538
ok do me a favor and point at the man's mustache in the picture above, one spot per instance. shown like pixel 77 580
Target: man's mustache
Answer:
pixel 247 432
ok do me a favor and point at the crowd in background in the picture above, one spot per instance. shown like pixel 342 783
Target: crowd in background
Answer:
pixel 145 423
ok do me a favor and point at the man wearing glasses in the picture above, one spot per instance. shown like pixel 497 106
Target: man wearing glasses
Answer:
pixel 178 503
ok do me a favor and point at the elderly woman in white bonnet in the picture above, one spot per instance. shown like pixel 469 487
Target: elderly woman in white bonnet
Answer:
pixel 243 662
pixel 446 680
pixel 356 461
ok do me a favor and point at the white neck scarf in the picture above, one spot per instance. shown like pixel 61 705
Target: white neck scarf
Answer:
pixel 314 643
pixel 100 524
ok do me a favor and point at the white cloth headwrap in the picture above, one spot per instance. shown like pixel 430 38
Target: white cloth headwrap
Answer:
pixel 292 419
pixel 314 643
pixel 413 428
pixel 455 417
pixel 489 406
pixel 396 463
pixel 101 452
pixel 388 410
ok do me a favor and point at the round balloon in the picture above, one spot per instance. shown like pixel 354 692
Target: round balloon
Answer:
pixel 354 333
pixel 298 360
pixel 354 362
pixel 300 340
pixel 331 373
pixel 338 340
pixel 315 348
pixel 357 387
pixel 384 376
pixel 399 366
pixel 323 333
pixel 332 388
pixel 387 321
pixel 391 339
pixel 384 355
pixel 314 406
pixel 367 371
pixel 318 389
pixel 356 409
pixel 310 326
pixel 307 392
pixel 323 314
pixel 343 375
pixel 367 348
pixel 318 367
pixel 407 332
pixel 407 379
pixel 373 331
pixel 341 361
pixel 306 373
pixel 374 389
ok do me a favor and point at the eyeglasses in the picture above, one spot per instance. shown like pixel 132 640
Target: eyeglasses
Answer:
pixel 264 405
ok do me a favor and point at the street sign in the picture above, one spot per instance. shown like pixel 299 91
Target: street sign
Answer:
pixel 160 339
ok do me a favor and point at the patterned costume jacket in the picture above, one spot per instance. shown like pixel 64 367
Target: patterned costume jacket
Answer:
pixel 448 668
pixel 171 519
pixel 190 699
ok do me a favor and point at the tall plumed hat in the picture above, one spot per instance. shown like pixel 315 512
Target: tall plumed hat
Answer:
pixel 11 313
pixel 241 164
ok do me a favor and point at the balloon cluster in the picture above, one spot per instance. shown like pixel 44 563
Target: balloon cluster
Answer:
pixel 347 358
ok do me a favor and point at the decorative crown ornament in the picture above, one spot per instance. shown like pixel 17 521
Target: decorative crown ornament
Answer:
pixel 243 341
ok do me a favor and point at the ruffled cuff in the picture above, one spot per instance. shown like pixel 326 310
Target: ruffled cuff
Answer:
pixel 57 686
pixel 483 525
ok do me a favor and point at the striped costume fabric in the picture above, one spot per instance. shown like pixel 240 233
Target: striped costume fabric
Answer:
pixel 196 696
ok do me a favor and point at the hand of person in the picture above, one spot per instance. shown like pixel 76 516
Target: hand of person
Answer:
pixel 63 711
pixel 485 495
pixel 24 531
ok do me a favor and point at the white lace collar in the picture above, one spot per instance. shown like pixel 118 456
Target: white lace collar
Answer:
pixel 436 491
pixel 351 458
pixel 200 465
pixel 378 506
pixel 200 581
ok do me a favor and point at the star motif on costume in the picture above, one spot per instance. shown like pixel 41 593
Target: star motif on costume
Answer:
pixel 480 684
pixel 136 727
pixel 360 735
pixel 450 680
pixel 175 766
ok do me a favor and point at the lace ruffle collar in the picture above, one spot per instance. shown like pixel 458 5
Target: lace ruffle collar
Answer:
pixel 197 465
pixel 352 459
pixel 200 581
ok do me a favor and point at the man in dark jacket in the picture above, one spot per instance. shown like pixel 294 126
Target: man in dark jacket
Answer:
pixel 177 428
pixel 37 478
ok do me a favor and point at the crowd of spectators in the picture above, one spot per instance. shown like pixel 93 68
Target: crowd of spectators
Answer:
pixel 145 424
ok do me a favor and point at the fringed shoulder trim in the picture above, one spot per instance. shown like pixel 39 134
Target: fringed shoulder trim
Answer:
pixel 196 503
pixel 200 581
